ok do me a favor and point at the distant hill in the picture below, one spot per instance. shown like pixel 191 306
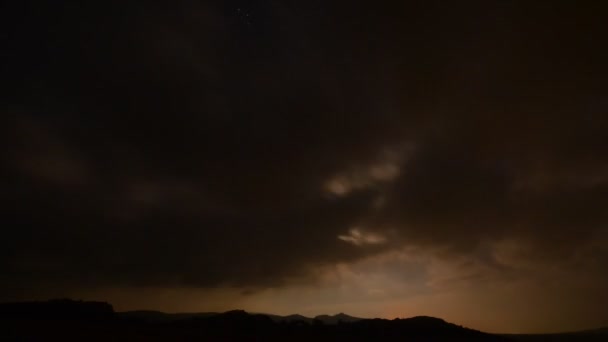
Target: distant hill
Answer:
pixel 78 320
pixel 335 319
pixel 158 316
pixel 290 318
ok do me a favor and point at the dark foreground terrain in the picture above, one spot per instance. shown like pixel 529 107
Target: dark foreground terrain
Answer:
pixel 76 320
pixel 598 335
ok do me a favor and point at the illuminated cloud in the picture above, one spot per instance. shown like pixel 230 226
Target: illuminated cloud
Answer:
pixel 386 169
pixel 360 237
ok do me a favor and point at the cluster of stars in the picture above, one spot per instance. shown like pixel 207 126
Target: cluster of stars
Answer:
pixel 244 16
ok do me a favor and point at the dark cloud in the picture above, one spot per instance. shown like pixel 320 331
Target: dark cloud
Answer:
pixel 184 144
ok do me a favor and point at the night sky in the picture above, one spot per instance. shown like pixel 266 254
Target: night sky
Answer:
pixel 442 158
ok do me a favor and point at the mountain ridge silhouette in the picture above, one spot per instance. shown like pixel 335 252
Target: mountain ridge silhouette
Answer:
pixel 79 320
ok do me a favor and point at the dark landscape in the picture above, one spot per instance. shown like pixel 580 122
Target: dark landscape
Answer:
pixel 204 167
pixel 97 321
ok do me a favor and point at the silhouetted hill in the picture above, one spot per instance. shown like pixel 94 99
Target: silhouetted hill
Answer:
pixel 290 318
pixel 239 325
pixel 78 320
pixel 335 319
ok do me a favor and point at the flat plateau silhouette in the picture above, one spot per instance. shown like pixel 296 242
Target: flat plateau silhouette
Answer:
pixel 97 321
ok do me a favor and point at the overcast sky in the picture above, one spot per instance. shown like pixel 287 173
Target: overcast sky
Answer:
pixel 434 158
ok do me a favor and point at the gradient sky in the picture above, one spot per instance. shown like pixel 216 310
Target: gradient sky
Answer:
pixel 443 158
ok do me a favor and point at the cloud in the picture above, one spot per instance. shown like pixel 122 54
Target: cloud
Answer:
pixel 382 171
pixel 359 238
